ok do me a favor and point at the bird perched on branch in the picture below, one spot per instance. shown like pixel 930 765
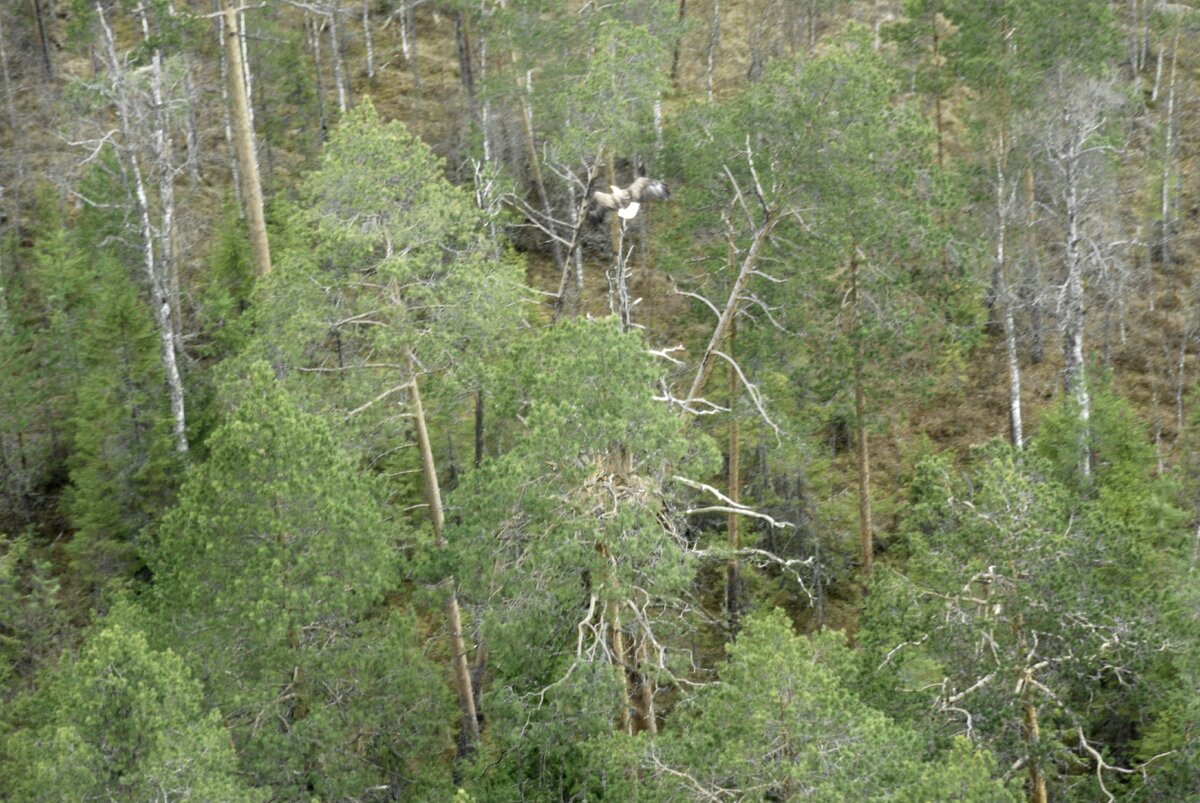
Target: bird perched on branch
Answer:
pixel 627 201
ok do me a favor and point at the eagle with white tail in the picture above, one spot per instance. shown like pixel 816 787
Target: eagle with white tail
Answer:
pixel 628 200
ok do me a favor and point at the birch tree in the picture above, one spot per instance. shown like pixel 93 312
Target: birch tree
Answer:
pixel 1078 150
pixel 140 121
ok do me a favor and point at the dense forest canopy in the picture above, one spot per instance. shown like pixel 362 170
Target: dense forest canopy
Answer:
pixel 347 453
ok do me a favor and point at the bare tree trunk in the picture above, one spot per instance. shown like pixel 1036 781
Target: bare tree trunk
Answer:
pixel 466 62
pixel 478 427
pixel 161 150
pixel 723 323
pixel 226 105
pixel 535 167
pixel 732 606
pixel 1032 735
pixel 39 22
pixel 678 45
pixel 159 293
pixel 247 77
pixel 1033 272
pixel 368 40
pixel 458 645
pixel 15 129
pixel 335 56
pixel 710 59
pixel 313 29
pixel 1180 384
pixel 619 300
pixel 1006 299
pixel 408 43
pixel 866 537
pixel 191 134
pixel 1166 224
pixel 1074 378
pixel 244 139
pixel 649 719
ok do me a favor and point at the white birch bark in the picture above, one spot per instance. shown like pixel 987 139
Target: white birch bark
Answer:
pixel 1167 228
pixel 1074 378
pixel 1004 197
pixel 368 39
pixel 159 296
pixel 714 39
pixel 335 56
pixel 161 152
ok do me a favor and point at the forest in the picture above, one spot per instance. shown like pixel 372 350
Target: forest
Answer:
pixel 361 440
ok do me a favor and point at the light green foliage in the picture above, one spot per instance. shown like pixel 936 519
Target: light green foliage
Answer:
pixel 597 72
pixel 568 527
pixel 122 461
pixel 120 722
pixel 268 577
pixel 382 257
pixel 31 609
pixel 1022 594
pixel 781 725
pixel 97 371
pixel 1004 49
pixel 848 164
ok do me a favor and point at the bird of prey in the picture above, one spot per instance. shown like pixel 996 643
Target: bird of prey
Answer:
pixel 627 201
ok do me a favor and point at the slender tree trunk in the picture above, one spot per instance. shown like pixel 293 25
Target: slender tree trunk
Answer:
pixel 466 62
pixel 368 40
pixel 247 76
pixel 535 167
pixel 1074 378
pixel 1006 299
pixel 165 170
pixel 619 299
pixel 433 496
pixel 1031 733
pixel 408 44
pixel 244 139
pixel 15 129
pixel 226 105
pixel 710 59
pixel 649 719
pixel 732 606
pixel 313 29
pixel 159 293
pixel 723 323
pixel 39 21
pixel 335 56
pixel 866 538
pixel 478 427
pixel 678 45
pixel 191 133
pixel 1033 272
pixel 621 660
pixel 1166 224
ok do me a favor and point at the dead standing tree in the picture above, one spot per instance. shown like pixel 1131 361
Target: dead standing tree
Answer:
pixel 138 123
pixel 1078 156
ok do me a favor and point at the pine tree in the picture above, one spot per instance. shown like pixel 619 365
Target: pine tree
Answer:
pixel 120 722
pixel 269 581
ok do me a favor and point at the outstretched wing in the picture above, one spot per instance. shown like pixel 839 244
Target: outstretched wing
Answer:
pixel 601 203
pixel 649 189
